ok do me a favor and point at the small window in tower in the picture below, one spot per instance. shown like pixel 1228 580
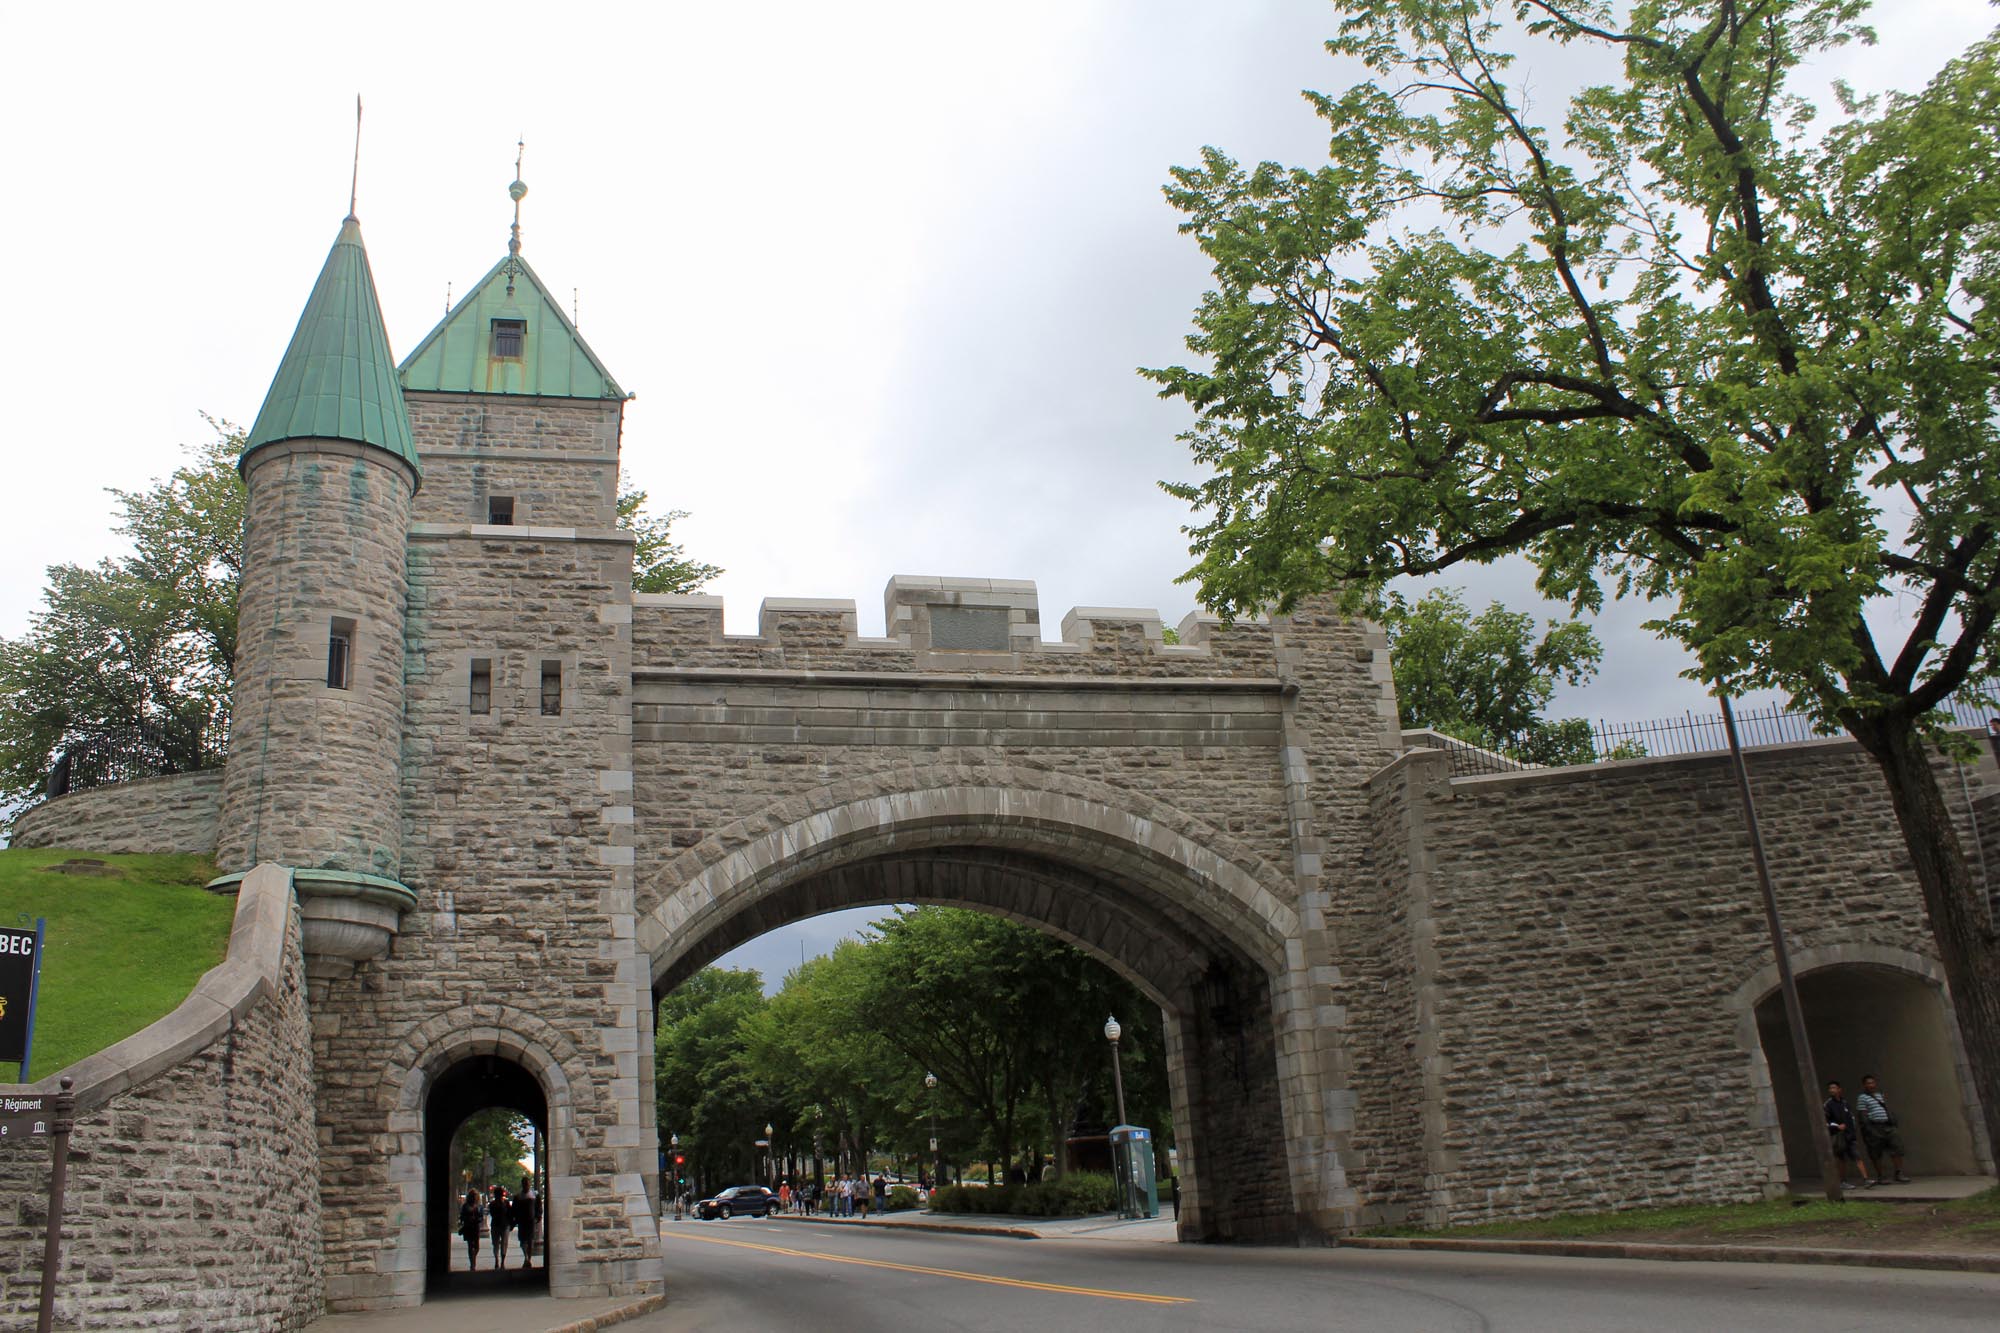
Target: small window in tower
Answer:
pixel 340 654
pixel 482 685
pixel 510 336
pixel 551 688
pixel 500 510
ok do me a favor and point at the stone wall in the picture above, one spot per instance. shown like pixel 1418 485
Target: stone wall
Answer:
pixel 193 1191
pixel 555 458
pixel 175 813
pixel 1583 942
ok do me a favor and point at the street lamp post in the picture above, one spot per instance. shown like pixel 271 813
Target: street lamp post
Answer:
pixel 1111 1034
pixel 674 1151
pixel 937 1162
pixel 770 1155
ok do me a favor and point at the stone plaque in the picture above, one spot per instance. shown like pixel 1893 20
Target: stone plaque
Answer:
pixel 969 628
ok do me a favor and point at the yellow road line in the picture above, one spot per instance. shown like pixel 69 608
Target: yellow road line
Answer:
pixel 1146 1297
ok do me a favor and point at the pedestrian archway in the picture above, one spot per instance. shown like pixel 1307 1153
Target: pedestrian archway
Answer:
pixel 473 1084
pixel 1873 1018
pixel 1204 935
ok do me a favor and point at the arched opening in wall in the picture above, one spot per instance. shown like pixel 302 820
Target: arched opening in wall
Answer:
pixel 1871 1020
pixel 474 1108
pixel 930 1045
pixel 1209 972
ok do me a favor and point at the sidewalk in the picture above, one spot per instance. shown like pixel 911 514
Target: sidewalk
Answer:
pixel 1103 1226
pixel 493 1312
pixel 1924 1189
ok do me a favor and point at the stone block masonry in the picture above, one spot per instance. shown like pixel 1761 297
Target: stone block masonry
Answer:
pixel 193 1192
pixel 175 813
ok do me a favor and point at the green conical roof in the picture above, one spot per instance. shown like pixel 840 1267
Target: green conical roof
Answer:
pixel 338 379
pixel 554 361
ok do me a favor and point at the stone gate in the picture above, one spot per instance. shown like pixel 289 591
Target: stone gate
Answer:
pixel 514 802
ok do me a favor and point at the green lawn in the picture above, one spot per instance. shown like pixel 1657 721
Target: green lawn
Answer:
pixel 119 951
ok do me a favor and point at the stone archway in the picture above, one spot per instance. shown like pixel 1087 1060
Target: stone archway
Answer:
pixel 1868 1009
pixel 535 1053
pixel 1144 888
pixel 474 1083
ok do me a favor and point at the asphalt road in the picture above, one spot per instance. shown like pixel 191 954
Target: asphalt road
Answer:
pixel 746 1274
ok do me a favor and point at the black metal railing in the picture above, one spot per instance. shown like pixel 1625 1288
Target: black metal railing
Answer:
pixel 127 753
pixel 1690 733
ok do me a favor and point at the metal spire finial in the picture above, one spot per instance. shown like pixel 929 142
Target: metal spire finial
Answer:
pixel 517 192
pixel 354 182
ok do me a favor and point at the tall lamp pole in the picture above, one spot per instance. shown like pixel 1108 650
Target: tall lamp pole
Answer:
pixel 674 1151
pixel 770 1155
pixel 1111 1034
pixel 937 1162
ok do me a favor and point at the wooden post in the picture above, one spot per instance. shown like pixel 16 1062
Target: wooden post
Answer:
pixel 65 1120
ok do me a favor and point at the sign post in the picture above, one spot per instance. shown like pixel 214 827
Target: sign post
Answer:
pixel 41 1116
pixel 20 982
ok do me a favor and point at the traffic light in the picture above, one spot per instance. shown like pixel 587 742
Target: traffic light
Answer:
pixel 680 1159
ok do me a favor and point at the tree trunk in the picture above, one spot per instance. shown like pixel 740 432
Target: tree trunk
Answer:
pixel 1961 923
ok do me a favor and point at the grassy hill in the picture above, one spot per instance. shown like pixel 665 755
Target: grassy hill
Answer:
pixel 124 944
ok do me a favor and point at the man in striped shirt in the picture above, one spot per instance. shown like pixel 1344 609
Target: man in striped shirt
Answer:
pixel 1879 1131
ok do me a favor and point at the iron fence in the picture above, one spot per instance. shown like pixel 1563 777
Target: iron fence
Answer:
pixel 124 754
pixel 1690 733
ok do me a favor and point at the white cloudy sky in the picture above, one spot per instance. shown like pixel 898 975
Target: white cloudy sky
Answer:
pixel 880 273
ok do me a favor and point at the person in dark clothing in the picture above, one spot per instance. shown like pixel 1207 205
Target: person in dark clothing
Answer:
pixel 881 1192
pixel 1840 1129
pixel 468 1226
pixel 500 1213
pixel 527 1213
pixel 1176 1182
pixel 1881 1133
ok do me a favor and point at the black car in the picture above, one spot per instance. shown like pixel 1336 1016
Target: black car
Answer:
pixel 746 1200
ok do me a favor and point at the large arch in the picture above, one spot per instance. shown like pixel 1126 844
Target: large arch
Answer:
pixel 1868 1009
pixel 1203 928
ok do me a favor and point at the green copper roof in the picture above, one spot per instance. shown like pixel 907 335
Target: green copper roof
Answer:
pixel 554 360
pixel 338 379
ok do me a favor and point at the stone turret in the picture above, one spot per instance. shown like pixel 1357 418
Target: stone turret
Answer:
pixel 314 774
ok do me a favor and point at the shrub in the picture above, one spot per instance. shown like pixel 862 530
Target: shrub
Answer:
pixel 901 1199
pixel 1076 1195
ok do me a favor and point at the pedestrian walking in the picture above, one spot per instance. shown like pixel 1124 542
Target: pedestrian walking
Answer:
pixel 500 1216
pixel 881 1193
pixel 527 1214
pixel 1880 1132
pixel 469 1213
pixel 1840 1130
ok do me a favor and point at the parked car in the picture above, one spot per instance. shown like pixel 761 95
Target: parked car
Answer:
pixel 745 1200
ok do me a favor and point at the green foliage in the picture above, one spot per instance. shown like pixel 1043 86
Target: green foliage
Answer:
pixel 496 1132
pixel 708 1087
pixel 902 1198
pixel 1693 348
pixel 1008 1019
pixel 120 950
pixel 145 639
pixel 1078 1194
pixel 1486 679
pixel 659 564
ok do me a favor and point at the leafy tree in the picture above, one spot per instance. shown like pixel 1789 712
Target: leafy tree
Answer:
pixel 659 564
pixel 144 641
pixel 1697 346
pixel 707 1087
pixel 503 1135
pixel 1486 679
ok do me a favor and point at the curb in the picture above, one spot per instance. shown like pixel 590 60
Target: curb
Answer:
pixel 645 1305
pixel 1016 1233
pixel 1737 1254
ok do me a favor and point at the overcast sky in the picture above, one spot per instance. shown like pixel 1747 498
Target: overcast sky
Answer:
pixel 879 273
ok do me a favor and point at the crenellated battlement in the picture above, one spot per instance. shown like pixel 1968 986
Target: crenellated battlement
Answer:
pixel 986 626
